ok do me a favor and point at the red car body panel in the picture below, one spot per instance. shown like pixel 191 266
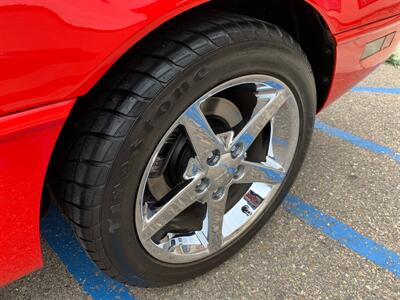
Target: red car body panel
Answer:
pixel 52 52
pixel 26 142
pixel 345 15
pixel 57 50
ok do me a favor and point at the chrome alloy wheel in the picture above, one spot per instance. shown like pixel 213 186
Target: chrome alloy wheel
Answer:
pixel 220 183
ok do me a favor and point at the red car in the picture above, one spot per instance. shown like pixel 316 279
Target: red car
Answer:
pixel 148 121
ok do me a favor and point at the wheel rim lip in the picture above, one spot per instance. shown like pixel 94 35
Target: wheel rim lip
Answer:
pixel 170 257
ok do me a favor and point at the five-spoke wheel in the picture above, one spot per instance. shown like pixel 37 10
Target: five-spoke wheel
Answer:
pixel 222 156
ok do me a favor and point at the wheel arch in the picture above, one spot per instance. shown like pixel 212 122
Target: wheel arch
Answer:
pixel 304 20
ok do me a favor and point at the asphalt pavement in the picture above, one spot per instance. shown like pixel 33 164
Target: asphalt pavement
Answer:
pixel 337 237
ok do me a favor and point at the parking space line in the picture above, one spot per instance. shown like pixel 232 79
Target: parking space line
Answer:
pixel 358 141
pixel 345 235
pixel 94 282
pixel 376 90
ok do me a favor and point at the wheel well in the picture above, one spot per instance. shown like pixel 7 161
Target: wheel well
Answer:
pixel 298 18
pixel 303 23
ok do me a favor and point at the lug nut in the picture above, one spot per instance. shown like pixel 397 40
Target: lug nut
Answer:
pixel 218 193
pixel 236 150
pixel 213 158
pixel 203 185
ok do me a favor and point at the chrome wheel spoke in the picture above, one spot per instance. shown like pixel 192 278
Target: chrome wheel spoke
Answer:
pixel 202 137
pixel 216 212
pixel 270 173
pixel 262 116
pixel 184 214
pixel 186 197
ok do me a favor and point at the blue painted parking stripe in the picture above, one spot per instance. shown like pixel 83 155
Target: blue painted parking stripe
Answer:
pixel 94 282
pixel 358 141
pixel 345 235
pixel 376 90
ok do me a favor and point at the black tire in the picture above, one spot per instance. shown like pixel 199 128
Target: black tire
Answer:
pixel 113 131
